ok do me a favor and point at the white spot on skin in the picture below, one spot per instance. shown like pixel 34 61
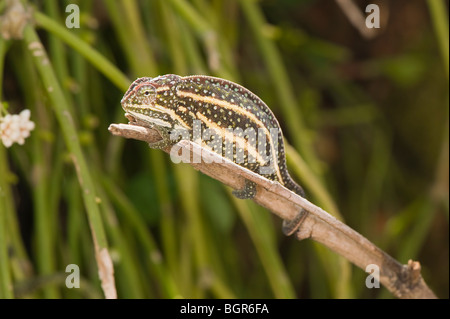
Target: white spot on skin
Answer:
pixel 242 110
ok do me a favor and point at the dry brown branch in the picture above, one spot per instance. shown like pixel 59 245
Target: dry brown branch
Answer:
pixel 404 281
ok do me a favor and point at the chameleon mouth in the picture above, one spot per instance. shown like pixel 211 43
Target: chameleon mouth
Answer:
pixel 148 119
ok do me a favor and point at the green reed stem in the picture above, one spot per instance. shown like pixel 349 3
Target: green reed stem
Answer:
pixel 168 286
pixel 188 12
pixel 69 131
pixel 439 19
pixel 280 80
pixel 6 288
pixel 259 228
pixel 99 61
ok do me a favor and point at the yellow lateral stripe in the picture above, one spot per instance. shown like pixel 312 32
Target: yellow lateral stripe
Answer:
pixel 241 142
pixel 224 104
pixel 172 114
pixel 237 109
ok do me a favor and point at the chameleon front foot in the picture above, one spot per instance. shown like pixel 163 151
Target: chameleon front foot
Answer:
pixel 164 142
pixel 248 192
pixel 290 226
pixel 161 144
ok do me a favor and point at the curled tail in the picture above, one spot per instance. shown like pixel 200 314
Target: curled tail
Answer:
pixel 293 186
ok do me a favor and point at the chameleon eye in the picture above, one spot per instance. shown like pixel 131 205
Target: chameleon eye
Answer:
pixel 147 91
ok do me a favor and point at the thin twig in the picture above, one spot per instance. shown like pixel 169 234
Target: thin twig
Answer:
pixel 404 281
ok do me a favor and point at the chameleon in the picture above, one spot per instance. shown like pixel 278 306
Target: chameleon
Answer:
pixel 170 102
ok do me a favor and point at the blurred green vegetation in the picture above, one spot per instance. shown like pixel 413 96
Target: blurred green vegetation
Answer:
pixel 367 121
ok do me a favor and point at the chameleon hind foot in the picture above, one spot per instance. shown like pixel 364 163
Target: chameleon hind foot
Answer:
pixel 290 226
pixel 248 192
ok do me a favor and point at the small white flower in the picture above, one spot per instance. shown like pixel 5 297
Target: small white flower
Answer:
pixel 15 128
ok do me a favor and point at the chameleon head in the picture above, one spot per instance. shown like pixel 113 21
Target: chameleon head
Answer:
pixel 146 99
